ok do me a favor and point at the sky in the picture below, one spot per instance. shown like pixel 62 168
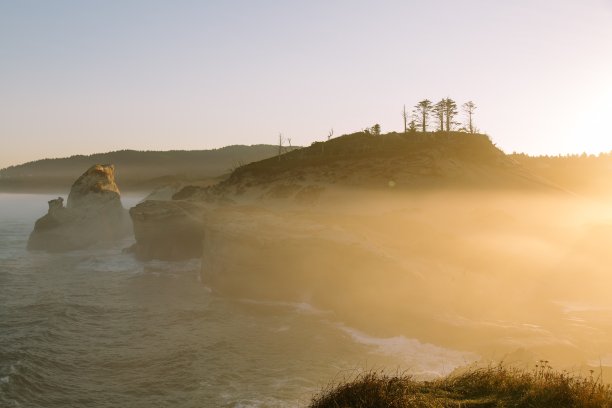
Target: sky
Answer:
pixel 80 77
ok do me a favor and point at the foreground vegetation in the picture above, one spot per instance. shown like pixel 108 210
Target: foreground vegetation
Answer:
pixel 498 386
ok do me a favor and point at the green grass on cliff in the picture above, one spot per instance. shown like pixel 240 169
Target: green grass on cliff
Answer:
pixel 477 387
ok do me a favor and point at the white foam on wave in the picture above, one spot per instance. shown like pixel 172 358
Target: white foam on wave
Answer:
pixel 299 307
pixel 422 359
pixel 189 265
pixel 96 261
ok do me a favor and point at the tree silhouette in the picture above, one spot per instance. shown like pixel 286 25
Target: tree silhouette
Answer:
pixel 375 130
pixel 405 117
pixel 329 136
pixel 450 111
pixel 439 110
pixel 412 127
pixel 280 145
pixel 422 111
pixel 469 108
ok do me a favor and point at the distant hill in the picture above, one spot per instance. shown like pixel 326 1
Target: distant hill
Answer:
pixel 136 170
pixel 582 174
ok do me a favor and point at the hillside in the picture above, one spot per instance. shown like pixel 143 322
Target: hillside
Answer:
pixel 136 170
pixel 421 161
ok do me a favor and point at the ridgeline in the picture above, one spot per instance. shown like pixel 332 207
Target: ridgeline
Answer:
pixel 136 170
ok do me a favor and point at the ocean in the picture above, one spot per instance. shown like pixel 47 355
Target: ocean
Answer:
pixel 97 328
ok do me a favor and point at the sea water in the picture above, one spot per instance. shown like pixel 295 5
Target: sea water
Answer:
pixel 97 328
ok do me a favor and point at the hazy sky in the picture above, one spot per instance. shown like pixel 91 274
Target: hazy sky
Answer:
pixel 92 76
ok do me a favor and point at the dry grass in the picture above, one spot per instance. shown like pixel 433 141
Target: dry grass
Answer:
pixel 457 145
pixel 497 386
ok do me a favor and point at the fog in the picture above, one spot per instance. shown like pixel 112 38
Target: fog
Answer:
pixel 501 274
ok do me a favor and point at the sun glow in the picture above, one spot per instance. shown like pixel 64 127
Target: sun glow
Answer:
pixel 591 131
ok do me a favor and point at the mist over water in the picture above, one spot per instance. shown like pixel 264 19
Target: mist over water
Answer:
pixel 423 283
pixel 96 328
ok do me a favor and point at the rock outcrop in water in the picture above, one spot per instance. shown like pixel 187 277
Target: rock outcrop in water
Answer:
pixel 93 214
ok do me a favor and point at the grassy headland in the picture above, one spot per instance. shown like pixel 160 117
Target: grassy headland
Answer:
pixel 362 160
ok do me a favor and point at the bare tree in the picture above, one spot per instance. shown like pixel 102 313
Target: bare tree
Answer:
pixel 329 136
pixel 280 145
pixel 422 111
pixel 405 117
pixel 469 108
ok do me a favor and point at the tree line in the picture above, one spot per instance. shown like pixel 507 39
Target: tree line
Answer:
pixel 443 114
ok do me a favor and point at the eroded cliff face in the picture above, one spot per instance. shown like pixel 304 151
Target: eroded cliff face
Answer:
pixel 168 230
pixel 328 172
pixel 448 242
pixel 96 188
pixel 94 214
pixel 485 273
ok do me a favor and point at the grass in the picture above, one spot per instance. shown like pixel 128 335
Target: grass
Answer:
pixel 358 146
pixel 494 386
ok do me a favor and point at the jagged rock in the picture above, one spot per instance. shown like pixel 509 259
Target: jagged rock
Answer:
pixel 93 214
pixel 96 188
pixel 168 230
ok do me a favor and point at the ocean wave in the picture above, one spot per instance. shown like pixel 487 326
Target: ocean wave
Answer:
pixel 423 359
pixel 299 307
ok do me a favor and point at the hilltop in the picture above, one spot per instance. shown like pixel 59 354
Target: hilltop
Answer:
pixel 136 170
pixel 421 161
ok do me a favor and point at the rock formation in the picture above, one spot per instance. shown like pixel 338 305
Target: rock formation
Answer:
pixel 93 214
pixel 315 177
pixel 168 230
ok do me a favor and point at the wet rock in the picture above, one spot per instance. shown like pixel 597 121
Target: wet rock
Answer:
pixel 93 214
pixel 168 230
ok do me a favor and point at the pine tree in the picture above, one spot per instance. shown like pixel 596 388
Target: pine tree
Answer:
pixel 439 110
pixel 450 111
pixel 375 130
pixel 422 111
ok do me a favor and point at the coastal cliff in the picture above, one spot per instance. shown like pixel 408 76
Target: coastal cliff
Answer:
pixel 396 235
pixel 168 229
pixel 330 172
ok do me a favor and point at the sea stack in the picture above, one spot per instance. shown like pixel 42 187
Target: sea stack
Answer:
pixel 93 214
